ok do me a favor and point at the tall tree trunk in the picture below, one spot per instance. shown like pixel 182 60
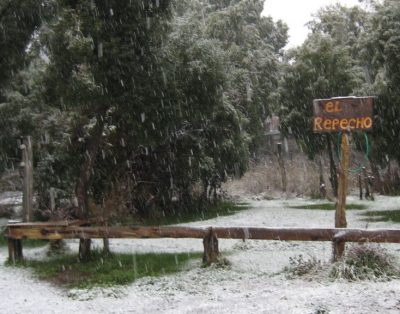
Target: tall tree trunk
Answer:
pixel 377 182
pixel 322 187
pixel 82 184
pixel 332 168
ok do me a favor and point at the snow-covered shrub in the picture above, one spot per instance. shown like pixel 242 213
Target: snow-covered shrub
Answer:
pixel 366 262
pixel 300 266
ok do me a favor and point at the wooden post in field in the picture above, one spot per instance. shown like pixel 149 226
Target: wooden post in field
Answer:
pixel 27 193
pixel 340 215
pixel 14 249
pixel 211 251
pixel 366 183
pixel 282 167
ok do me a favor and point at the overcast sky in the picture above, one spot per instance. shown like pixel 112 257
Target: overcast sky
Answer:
pixel 296 13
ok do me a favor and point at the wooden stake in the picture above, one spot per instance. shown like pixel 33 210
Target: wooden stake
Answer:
pixel 366 184
pixel 14 250
pixel 27 198
pixel 340 215
pixel 211 251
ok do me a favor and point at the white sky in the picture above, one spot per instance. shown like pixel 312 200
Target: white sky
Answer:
pixel 296 13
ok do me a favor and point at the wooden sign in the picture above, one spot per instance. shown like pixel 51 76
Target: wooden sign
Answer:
pixel 343 113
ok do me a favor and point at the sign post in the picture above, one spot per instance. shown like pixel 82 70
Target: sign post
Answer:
pixel 342 114
pixel 340 214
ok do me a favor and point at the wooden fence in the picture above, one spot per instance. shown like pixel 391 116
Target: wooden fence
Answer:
pixel 77 230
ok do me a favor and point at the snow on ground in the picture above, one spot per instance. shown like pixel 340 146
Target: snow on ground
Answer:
pixel 254 283
pixel 14 198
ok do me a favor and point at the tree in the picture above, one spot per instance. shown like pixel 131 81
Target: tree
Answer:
pixel 318 69
pixel 254 45
pixel 19 22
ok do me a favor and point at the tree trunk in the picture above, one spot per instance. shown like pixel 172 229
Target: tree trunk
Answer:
pixel 322 187
pixel 282 169
pixel 27 158
pixel 332 168
pixel 378 185
pixel 82 184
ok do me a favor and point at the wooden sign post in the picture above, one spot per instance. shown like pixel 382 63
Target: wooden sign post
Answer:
pixel 340 215
pixel 342 114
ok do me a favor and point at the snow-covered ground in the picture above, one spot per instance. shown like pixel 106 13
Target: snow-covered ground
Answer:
pixel 253 283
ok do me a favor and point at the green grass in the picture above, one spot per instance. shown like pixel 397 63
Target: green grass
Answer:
pixel 328 206
pixel 105 270
pixel 384 215
pixel 182 216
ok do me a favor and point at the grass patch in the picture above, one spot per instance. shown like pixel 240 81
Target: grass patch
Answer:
pixel 105 270
pixel 384 215
pixel 185 215
pixel 329 206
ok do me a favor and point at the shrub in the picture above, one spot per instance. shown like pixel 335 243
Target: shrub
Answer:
pixel 366 262
pixel 299 266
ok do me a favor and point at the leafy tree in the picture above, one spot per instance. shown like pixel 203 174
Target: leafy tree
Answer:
pixel 379 52
pixel 318 69
pixel 19 22
pixel 253 44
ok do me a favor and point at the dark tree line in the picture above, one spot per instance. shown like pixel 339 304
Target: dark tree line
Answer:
pixel 145 99
pixel 156 103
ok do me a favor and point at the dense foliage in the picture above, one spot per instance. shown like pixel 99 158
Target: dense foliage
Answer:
pixel 150 105
pixel 349 51
pixel 143 101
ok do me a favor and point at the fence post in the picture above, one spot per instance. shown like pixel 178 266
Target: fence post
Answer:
pixel 366 183
pixel 27 163
pixel 14 248
pixel 211 251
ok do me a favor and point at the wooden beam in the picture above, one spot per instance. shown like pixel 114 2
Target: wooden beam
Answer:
pixel 340 214
pixel 60 223
pixel 284 234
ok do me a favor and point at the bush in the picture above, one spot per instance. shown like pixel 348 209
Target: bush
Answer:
pixel 299 266
pixel 366 262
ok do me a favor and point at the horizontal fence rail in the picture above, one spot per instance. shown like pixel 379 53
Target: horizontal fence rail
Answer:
pixel 72 231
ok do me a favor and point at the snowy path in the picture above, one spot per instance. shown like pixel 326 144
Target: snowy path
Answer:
pixel 252 284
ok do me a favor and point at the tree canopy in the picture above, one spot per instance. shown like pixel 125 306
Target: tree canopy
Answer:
pixel 161 101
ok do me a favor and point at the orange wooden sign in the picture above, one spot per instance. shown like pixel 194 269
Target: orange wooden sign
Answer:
pixel 343 113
